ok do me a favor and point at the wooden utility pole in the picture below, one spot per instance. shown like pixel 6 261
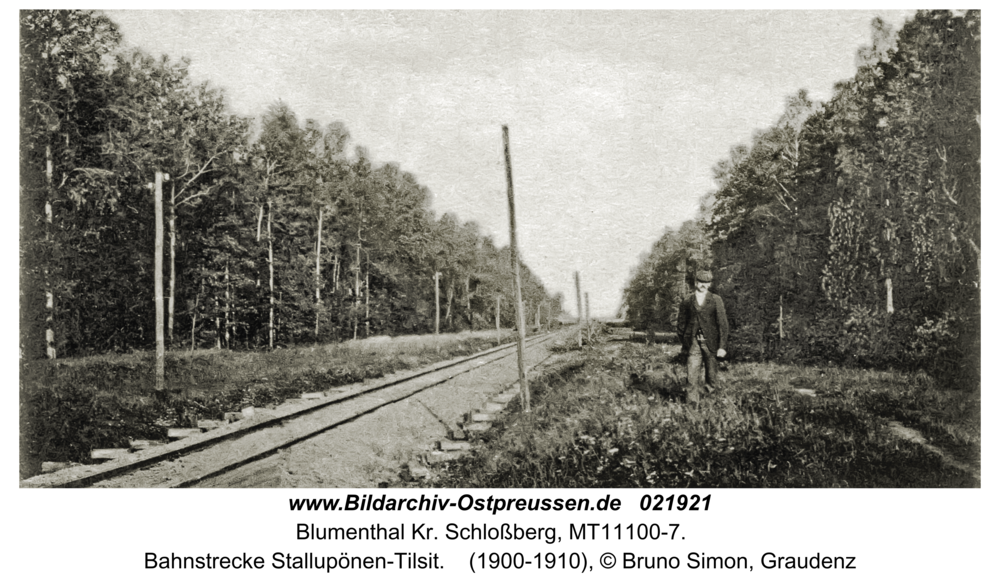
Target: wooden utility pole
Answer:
pixel 437 304
pixel 522 373
pixel 586 300
pixel 579 310
pixel 158 281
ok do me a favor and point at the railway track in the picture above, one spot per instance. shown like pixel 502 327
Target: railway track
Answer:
pixel 201 460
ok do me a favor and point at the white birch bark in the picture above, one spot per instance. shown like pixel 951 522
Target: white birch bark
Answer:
pixel 158 281
pixel 227 315
pixel 172 224
pixel 50 304
pixel 270 268
pixel 437 303
pixel 319 249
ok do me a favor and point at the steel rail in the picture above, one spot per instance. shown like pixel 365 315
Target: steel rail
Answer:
pixel 181 450
pixel 275 448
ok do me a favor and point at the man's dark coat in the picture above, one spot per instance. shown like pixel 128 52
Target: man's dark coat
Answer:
pixel 711 317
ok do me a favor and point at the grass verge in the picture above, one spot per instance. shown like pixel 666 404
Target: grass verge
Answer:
pixel 618 419
pixel 68 407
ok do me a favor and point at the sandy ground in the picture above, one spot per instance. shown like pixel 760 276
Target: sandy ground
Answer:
pixel 373 449
pixel 364 453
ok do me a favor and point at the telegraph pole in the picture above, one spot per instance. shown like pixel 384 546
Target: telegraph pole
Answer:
pixel 522 374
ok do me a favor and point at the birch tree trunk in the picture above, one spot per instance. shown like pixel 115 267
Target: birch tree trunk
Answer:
pixel 50 305
pixel 451 296
pixel 357 283
pixel 227 314
pixel 158 281
pixel 319 244
pixel 336 272
pixel 270 268
pixel 437 304
pixel 172 222
pixel 468 305
pixel 194 319
pixel 260 220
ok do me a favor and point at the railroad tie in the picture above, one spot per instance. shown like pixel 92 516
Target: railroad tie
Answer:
pixel 442 456
pixel 478 427
pixel 141 444
pixel 108 453
pixel 453 446
pixel 51 466
pixel 183 433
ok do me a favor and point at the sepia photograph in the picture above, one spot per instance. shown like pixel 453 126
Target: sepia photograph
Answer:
pixel 436 249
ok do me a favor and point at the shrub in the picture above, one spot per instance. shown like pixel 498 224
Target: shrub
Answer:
pixel 934 344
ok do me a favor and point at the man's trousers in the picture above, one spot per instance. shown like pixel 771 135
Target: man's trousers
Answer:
pixel 700 355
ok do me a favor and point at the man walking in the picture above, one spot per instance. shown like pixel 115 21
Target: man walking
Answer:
pixel 704 331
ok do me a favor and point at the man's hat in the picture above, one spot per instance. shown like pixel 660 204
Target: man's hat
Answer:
pixel 703 276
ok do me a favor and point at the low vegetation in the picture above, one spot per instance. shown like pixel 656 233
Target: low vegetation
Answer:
pixel 617 418
pixel 69 407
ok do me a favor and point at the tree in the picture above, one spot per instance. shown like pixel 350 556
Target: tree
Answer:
pixel 98 127
pixel 768 227
pixel 63 57
pixel 281 151
pixel 906 228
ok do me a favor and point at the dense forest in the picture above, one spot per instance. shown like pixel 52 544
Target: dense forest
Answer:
pixel 276 231
pixel 849 231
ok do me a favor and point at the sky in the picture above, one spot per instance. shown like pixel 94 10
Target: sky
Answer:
pixel 616 118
